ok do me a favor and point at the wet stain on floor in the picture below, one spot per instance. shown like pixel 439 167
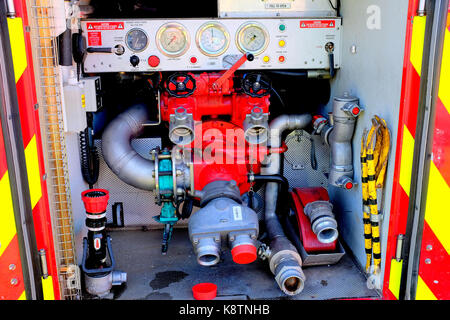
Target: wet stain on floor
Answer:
pixel 158 296
pixel 166 278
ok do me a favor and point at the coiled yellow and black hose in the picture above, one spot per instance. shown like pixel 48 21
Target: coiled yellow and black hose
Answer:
pixel 375 146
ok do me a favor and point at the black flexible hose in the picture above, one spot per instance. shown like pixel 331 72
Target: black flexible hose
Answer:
pixel 90 163
pixel 284 190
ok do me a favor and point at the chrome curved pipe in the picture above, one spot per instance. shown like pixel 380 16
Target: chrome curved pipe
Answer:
pixel 118 153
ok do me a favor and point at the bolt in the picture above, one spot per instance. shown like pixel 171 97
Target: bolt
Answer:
pixel 428 261
pixel 14 281
pixel 12 267
pixel 429 247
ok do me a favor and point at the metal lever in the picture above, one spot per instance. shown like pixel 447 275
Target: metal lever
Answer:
pixel 329 47
pixel 99 50
pixel 219 82
pixel 119 50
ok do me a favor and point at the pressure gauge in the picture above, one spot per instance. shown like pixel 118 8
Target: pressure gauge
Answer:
pixel 213 39
pixel 136 40
pixel 173 39
pixel 252 37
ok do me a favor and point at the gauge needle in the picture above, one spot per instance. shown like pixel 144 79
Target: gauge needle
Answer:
pixel 253 38
pixel 172 40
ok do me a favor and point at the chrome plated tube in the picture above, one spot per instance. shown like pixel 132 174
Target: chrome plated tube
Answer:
pixel 118 153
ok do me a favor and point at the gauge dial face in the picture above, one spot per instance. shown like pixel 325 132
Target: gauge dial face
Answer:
pixel 136 40
pixel 252 38
pixel 172 40
pixel 213 39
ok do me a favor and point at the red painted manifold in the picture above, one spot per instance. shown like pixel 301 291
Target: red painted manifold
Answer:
pixel 217 113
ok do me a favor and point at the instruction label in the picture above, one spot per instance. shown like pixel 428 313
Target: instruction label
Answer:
pixel 275 6
pixel 237 213
pixel 317 24
pixel 94 39
pixel 104 26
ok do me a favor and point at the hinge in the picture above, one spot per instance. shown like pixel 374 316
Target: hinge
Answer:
pixel 43 258
pixel 399 250
pixel 422 11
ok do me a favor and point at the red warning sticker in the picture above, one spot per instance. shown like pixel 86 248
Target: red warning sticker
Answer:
pixel 317 24
pixel 103 26
pixel 94 39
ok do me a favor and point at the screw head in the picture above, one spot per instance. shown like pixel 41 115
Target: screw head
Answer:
pixel 14 281
pixel 429 247
pixel 12 267
pixel 428 261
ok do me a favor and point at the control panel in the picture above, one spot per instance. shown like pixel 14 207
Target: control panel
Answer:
pixel 143 45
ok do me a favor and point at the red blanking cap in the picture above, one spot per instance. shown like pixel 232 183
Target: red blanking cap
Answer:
pixel 204 291
pixel 244 254
pixel 349 186
pixel 95 200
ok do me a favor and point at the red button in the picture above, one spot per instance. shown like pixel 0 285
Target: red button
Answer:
pixel 244 254
pixel 281 58
pixel 349 186
pixel 194 60
pixel 154 61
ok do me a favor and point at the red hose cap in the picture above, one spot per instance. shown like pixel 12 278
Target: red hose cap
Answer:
pixel 204 291
pixel 95 200
pixel 244 254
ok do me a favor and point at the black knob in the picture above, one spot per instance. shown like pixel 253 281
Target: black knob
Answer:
pixel 134 60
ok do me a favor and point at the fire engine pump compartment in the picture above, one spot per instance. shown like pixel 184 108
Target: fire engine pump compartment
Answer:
pixel 161 198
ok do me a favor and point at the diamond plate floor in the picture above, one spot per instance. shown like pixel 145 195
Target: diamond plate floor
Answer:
pixel 156 277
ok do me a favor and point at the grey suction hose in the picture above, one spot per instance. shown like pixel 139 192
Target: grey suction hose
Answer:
pixel 285 262
pixel 118 153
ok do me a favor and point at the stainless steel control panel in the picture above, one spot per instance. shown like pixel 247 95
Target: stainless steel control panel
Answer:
pixel 143 45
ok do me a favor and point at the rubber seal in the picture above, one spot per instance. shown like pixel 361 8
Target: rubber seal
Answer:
pixel 204 291
pixel 244 254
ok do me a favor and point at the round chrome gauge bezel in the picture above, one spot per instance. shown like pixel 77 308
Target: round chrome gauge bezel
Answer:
pixel 241 33
pixel 185 33
pixel 130 47
pixel 204 28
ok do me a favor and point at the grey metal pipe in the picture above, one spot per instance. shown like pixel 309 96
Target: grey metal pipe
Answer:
pixel 340 140
pixel 285 262
pixel 121 158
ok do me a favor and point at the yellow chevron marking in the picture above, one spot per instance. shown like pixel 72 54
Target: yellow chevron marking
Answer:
pixel 417 43
pixel 395 277
pixel 23 296
pixel 423 292
pixel 34 177
pixel 444 84
pixel 47 288
pixel 436 215
pixel 407 160
pixel 17 39
pixel 7 219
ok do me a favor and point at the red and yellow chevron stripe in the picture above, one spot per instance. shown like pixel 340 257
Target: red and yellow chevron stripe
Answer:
pixel 434 270
pixel 11 279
